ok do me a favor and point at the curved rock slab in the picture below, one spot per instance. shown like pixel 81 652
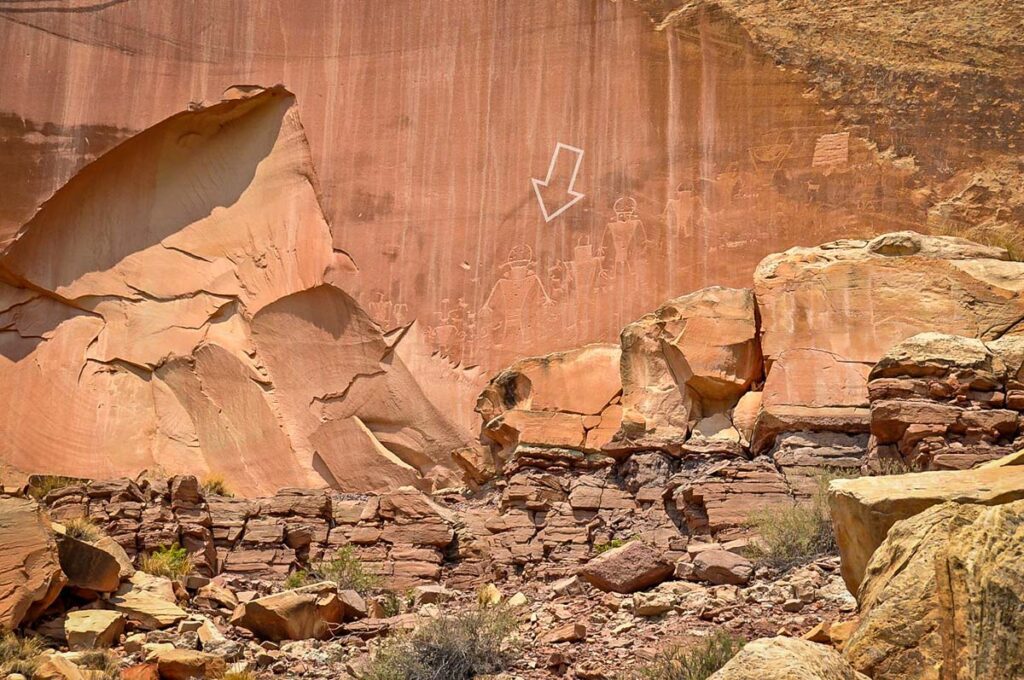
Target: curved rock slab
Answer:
pixel 172 303
pixel 30 574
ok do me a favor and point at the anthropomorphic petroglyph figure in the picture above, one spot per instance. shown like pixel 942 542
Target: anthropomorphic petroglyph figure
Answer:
pixel 380 309
pixel 682 212
pixel 584 268
pixel 624 236
pixel 450 332
pixel 515 295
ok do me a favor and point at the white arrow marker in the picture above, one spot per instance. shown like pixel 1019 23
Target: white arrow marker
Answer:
pixel 575 195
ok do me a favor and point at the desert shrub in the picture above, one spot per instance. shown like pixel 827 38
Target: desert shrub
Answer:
pixel 692 662
pixel 797 534
pixel 40 485
pixel 84 529
pixel 171 561
pixel 391 603
pixel 214 485
pixel 348 571
pixel 102 660
pixel 297 579
pixel 19 655
pixel 452 648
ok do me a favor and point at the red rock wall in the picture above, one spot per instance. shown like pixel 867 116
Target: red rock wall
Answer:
pixel 428 118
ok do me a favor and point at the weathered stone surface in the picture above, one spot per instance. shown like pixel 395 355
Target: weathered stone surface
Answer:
pixel 695 355
pixel 723 497
pixel 863 510
pixel 849 298
pixel 299 614
pixel 30 573
pixel 981 595
pixel 90 565
pixel 92 628
pixel 626 569
pixel 899 636
pixel 783 658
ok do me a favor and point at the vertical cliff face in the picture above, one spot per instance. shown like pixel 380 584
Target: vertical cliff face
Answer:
pixel 428 120
pixel 171 308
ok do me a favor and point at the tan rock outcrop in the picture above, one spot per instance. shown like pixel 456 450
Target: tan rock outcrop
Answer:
pixel 943 401
pixel 30 573
pixel 981 596
pixel 183 318
pixel 899 637
pixel 864 509
pixel 782 658
pixel 829 313
pixel 696 355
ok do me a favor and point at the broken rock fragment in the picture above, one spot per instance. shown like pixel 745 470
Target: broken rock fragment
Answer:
pixel 311 611
pixel 634 566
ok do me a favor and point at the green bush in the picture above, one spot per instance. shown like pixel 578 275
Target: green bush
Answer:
pixel 84 529
pixel 600 548
pixel 19 655
pixel 297 579
pixel 391 603
pixel 171 561
pixel 693 662
pixel 454 648
pixel 796 534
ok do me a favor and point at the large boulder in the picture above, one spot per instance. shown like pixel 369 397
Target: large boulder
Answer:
pixel 721 567
pixel 30 573
pixel 634 566
pixel 564 400
pixel 851 297
pixel 864 509
pixel 898 635
pixel 311 611
pixel 981 596
pixel 942 597
pixel 696 355
pixel 782 658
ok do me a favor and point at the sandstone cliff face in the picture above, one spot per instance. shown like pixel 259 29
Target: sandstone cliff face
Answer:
pixel 173 306
pixel 428 119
